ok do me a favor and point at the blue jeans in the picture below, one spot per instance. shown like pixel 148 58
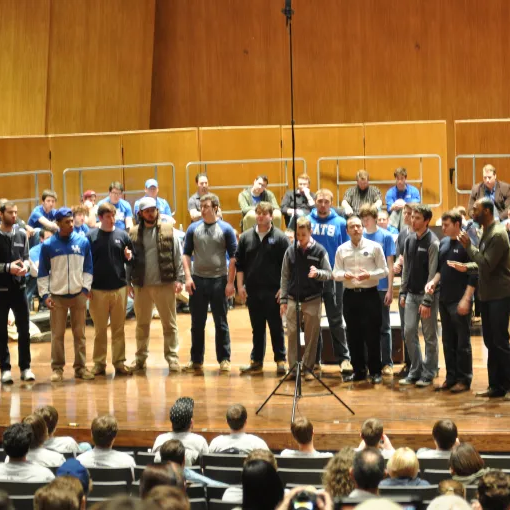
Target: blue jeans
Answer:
pixel 209 291
pixel 386 344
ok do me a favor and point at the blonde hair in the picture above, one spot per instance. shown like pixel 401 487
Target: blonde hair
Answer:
pixel 489 168
pixel 403 464
pixel 326 192
pixel 336 478
pixel 304 222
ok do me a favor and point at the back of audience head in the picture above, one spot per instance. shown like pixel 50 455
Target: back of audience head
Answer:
pixel 302 430
pixel 63 493
pixel 494 490
pixel 39 429
pixel 160 474
pixel 368 469
pixel 5 502
pixel 236 417
pixel 452 502
pixel 181 414
pixel 372 432
pixel 16 440
pixel 337 479
pixel 104 430
pixel 173 451
pixel 50 415
pixel 403 464
pixel 262 487
pixel 465 460
pixel 451 487
pixel 125 503
pixel 260 454
pixel 445 434
pixel 168 498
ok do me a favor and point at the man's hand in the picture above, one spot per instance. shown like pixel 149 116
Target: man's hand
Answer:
pixel 128 254
pixel 16 268
pixel 363 275
pixel 230 290
pixel 241 292
pixel 313 272
pixel 283 310
pixel 458 266
pixel 424 311
pixel 190 286
pixel 49 303
pixel 464 306
pixel 30 230
pixel 464 239
pixel 388 298
pixel 89 294
pixel 402 301
pixel 398 204
pixel 397 268
pixel 277 296
pixel 291 212
pixel 131 291
pixel 430 287
pixel 348 210
pixel 349 276
pixel 178 287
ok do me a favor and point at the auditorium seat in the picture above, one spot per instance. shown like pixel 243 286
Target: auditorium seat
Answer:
pixel 230 475
pixel 471 492
pixel 2 455
pixel 217 504
pixel 195 491
pixel 302 462
pixel 21 488
pixel 435 476
pixel 23 502
pixel 301 476
pixel 111 475
pixel 138 470
pixel 144 458
pixel 441 464
pixel 425 493
pixel 92 501
pixel 215 492
pixel 108 489
pixel 198 504
pixel 223 460
pixel 497 461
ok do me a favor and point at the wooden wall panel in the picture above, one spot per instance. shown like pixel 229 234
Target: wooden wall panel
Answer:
pixel 100 65
pixel 24 39
pixel 85 151
pixel 178 146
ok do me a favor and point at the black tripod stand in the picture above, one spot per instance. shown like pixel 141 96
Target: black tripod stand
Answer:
pixel 299 368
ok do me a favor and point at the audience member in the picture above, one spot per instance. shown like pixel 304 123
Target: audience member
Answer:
pixel 111 250
pixel 260 251
pixel 168 498
pixel 337 479
pixel 33 259
pixel 181 416
pixel 373 436
pixel 152 190
pixel 79 216
pixel 43 216
pixel 299 497
pixel 498 192
pixel 160 474
pixel 16 441
pixel 383 220
pixel 5 502
pixel 124 214
pixel 367 471
pixel 209 282
pixel 307 266
pixel 14 265
pixel 238 441
pixel 466 465
pixel 361 194
pixel 305 200
pixel 104 431
pixel 62 493
pixel 250 197
pixel 73 468
pixel 398 195
pixel 449 502
pixel 64 280
pixel 403 468
pixel 329 230
pixel 38 453
pixel 89 202
pixel 420 266
pixel 444 433
pixel 302 432
pixel 194 208
pixel 450 488
pixel 360 264
pixel 494 490
pixel 258 474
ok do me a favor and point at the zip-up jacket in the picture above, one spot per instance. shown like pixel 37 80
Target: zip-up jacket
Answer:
pixel 13 246
pixel 330 232
pixel 65 266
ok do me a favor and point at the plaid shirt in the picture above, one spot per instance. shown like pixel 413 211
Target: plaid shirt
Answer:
pixel 356 197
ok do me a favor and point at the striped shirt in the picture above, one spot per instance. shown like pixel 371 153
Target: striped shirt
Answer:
pixel 356 197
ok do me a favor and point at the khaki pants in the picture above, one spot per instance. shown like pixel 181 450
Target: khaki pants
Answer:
pixel 163 296
pixel 58 320
pixel 250 218
pixel 311 316
pixel 111 304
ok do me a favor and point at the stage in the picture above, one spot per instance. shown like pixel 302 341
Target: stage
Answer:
pixel 141 402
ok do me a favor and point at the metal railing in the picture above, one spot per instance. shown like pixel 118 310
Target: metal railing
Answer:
pixel 205 164
pixel 36 174
pixel 474 157
pixel 80 171
pixel 419 181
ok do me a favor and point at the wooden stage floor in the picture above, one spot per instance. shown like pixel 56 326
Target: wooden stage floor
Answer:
pixel 141 402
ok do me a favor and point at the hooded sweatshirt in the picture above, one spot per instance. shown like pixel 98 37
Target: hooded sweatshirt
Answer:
pixel 331 232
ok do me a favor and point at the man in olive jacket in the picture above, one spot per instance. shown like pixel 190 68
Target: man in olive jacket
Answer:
pixel 156 277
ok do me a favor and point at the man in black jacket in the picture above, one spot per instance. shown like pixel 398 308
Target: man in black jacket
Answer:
pixel 259 259
pixel 14 265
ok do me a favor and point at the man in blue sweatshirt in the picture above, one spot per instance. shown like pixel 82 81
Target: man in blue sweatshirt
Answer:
pixel 329 230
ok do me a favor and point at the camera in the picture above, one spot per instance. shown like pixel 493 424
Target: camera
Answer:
pixel 304 500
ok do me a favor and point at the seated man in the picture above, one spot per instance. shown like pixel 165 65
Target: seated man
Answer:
pixel 104 431
pixel 368 471
pixel 361 194
pixel 16 441
pixel 79 216
pixel 124 214
pixel 194 200
pixel 89 202
pixel 398 196
pixel 181 416
pixel 302 432
pixel 238 441
pixel 382 222
pixel 38 453
pixel 43 216
pixel 305 201
pixel 497 191
pixel 445 437
pixel 152 190
pixel 372 436
pixel 250 197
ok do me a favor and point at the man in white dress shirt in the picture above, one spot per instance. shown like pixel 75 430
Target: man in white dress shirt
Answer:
pixel 16 441
pixel 302 432
pixel 181 416
pixel 360 264
pixel 238 441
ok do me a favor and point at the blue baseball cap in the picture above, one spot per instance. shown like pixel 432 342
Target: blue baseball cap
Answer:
pixel 73 467
pixel 62 213
pixel 149 183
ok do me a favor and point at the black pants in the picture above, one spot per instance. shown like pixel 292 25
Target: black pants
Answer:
pixel 263 307
pixel 456 338
pixel 362 312
pixel 495 314
pixel 15 299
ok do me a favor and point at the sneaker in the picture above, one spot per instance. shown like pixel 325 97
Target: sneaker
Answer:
pixel 346 367
pixel 407 381
pixel 123 370
pixel 225 366
pixel 7 377
pixel 27 375
pixel 281 368
pixel 57 375
pixel 174 366
pixel 84 373
pixel 137 366
pixel 253 368
pixel 423 382
pixel 99 370
pixel 387 370
pixel 192 367
pixel 39 338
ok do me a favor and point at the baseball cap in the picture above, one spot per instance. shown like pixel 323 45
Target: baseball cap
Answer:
pixel 147 202
pixel 182 412
pixel 151 182
pixel 89 193
pixel 73 467
pixel 62 213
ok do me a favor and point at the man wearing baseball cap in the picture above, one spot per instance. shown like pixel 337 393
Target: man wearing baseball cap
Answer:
pixel 152 190
pixel 64 280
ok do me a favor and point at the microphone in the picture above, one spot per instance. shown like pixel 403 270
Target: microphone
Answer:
pixel 287 10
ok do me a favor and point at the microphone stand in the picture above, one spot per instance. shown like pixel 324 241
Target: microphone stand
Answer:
pixel 299 368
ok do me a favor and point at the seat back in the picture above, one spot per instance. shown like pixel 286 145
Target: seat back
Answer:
pixel 144 458
pixel 223 460
pixel 217 504
pixel 22 502
pixel 302 462
pixel 434 476
pixel 497 461
pixel 111 474
pixel 230 475
pixel 301 476
pixel 471 492
pixel 21 488
pixel 215 492
pixel 195 491
pixel 425 493
pixel 441 464
pixel 198 504
pixel 109 489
